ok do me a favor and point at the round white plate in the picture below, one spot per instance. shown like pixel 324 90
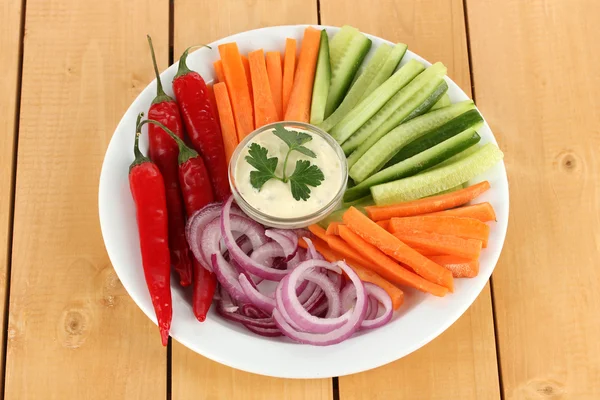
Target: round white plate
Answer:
pixel 419 320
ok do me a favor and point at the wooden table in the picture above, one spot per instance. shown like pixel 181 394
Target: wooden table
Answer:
pixel 70 68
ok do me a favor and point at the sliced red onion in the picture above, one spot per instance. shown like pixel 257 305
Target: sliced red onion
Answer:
pixel 266 253
pixel 320 309
pixel 297 259
pixel 286 239
pixel 227 276
pixel 296 310
pixel 260 300
pixel 238 255
pixel 376 296
pixel 250 310
pixel 312 252
pixel 268 332
pixel 235 317
pixel 337 335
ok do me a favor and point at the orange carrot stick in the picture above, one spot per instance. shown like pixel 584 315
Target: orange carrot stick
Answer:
pixel 218 65
pixel 275 80
pixel 460 267
pixel 482 211
pixel 426 252
pixel 393 247
pixel 298 108
pixel 246 63
pixel 384 223
pixel 332 229
pixel 230 140
pixel 443 244
pixel 239 93
pixel 428 204
pixel 289 70
pixel 338 245
pixel 264 106
pixel 388 268
pixel 466 228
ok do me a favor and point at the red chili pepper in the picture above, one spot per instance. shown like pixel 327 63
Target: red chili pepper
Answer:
pixel 148 191
pixel 197 193
pixel 202 125
pixel 163 152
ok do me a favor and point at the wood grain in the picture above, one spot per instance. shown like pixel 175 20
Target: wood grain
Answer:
pixel 535 66
pixel 193 376
pixel 461 363
pixel 10 38
pixel 73 330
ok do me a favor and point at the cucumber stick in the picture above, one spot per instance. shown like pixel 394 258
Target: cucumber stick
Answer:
pixel 453 189
pixel 470 119
pixel 382 151
pixel 322 81
pixel 427 84
pixel 379 68
pixel 366 108
pixel 439 179
pixel 460 156
pixel 343 71
pixel 444 101
pixel 416 164
pixel 340 42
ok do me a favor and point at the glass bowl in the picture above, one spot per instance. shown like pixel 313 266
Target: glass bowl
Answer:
pixel 292 222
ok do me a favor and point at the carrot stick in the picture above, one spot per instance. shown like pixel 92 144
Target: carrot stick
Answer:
pixel 466 228
pixel 332 229
pixel 395 248
pixel 426 252
pixel 275 80
pixel 246 63
pixel 384 223
pixel 264 107
pixel 218 65
pixel 443 244
pixel 338 245
pixel 211 98
pixel 289 68
pixel 482 211
pixel 460 267
pixel 428 204
pixel 230 140
pixel 388 268
pixel 239 93
pixel 298 108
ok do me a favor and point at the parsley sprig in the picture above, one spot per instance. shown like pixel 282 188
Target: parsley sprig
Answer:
pixel 305 174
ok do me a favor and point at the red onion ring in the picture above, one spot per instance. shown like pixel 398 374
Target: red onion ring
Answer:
pixel 286 239
pixel 377 296
pixel 339 334
pixel 266 253
pixel 268 332
pixel 311 251
pixel 238 255
pixel 260 300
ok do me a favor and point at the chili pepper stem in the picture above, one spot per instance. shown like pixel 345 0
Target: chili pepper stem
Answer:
pixel 183 68
pixel 161 96
pixel 139 157
pixel 185 153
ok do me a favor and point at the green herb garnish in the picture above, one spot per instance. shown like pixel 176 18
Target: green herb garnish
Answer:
pixel 305 174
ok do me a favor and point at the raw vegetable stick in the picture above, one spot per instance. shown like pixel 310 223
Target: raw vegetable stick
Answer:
pixel 230 140
pixel 482 211
pixel 393 247
pixel 363 273
pixel 298 108
pixel 460 267
pixel 426 252
pixel 275 80
pixel 338 244
pixel 246 63
pixel 213 101
pixel 466 228
pixel 385 224
pixel 264 107
pixel 332 229
pixel 218 65
pixel 388 268
pixel 237 85
pixel 289 70
pixel 444 244
pixel 427 205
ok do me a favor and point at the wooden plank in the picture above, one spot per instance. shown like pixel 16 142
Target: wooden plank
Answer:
pixel 193 376
pixel 73 330
pixel 461 363
pixel 10 38
pixel 535 67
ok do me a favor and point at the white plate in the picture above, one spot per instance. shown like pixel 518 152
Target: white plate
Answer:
pixel 420 319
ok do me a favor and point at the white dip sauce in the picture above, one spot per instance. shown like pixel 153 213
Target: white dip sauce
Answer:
pixel 275 197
